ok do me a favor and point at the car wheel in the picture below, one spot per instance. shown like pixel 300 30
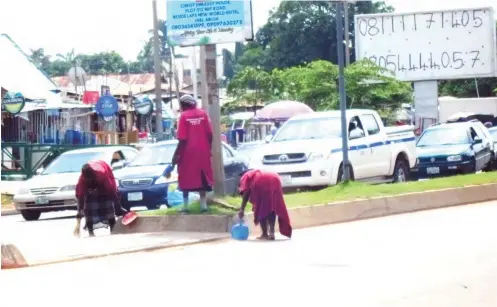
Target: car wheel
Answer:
pixel 401 171
pixel 491 164
pixel 30 215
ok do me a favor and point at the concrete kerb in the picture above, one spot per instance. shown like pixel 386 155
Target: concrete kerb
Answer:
pixel 301 217
pixel 16 261
pixel 330 213
pixel 7 212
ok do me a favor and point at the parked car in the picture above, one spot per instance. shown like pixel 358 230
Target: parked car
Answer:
pixel 142 182
pixel 53 188
pixel 453 148
pixel 493 133
pixel 307 149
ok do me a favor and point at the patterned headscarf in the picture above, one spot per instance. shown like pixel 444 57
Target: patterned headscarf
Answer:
pixel 187 100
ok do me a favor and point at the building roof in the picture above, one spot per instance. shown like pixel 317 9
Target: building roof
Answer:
pixel 20 74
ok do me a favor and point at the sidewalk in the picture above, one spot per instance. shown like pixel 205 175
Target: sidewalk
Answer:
pixel 55 250
pixel 7 212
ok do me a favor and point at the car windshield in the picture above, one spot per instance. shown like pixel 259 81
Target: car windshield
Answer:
pixel 444 136
pixel 71 163
pixel 154 155
pixel 311 128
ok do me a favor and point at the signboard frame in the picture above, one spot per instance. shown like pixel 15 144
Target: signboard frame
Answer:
pixel 430 75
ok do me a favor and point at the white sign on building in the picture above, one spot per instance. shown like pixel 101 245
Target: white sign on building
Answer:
pixel 436 45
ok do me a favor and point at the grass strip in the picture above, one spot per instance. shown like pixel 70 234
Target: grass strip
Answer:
pixel 348 191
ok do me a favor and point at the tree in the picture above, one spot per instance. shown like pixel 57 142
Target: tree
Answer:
pixel 299 32
pixel 368 86
pixel 41 60
pixel 315 84
pixel 253 85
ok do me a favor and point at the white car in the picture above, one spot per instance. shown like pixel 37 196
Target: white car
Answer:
pixel 53 189
pixel 307 149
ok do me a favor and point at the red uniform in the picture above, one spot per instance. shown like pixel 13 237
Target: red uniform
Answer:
pixel 194 163
pixel 104 177
pixel 266 196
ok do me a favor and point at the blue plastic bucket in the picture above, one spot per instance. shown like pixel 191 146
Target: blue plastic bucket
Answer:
pixel 240 231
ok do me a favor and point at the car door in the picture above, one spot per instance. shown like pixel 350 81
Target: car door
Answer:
pixel 479 149
pixel 359 153
pixel 487 141
pixel 229 170
pixel 379 161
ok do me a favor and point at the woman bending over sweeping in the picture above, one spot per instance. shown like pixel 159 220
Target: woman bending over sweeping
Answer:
pixel 97 196
pixel 264 191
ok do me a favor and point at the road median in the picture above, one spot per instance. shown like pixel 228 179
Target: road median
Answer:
pixel 323 213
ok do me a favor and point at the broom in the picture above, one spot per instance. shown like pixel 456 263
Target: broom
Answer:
pixel 77 228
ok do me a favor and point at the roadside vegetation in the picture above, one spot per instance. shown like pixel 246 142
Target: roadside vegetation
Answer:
pixel 347 191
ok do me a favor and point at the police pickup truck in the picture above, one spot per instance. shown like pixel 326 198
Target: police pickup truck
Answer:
pixel 307 150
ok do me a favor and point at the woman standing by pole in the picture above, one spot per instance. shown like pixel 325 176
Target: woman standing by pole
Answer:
pixel 193 154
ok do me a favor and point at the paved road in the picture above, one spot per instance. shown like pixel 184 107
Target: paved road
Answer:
pixel 443 258
pixel 52 226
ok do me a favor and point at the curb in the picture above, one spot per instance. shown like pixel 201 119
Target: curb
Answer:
pixel 8 212
pixel 324 214
pixel 151 248
pixel 301 217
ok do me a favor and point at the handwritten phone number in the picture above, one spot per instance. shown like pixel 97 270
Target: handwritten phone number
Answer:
pixel 373 26
pixel 428 61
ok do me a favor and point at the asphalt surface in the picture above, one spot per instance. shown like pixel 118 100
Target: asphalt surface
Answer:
pixel 50 226
pixel 443 258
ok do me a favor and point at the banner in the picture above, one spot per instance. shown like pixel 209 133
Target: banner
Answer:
pixel 195 22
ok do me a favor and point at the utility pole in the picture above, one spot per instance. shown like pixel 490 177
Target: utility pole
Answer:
pixel 157 68
pixel 210 103
pixel 171 76
pixel 194 72
pixel 347 34
pixel 343 97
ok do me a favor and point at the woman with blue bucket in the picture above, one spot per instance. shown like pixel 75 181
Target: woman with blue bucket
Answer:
pixel 264 191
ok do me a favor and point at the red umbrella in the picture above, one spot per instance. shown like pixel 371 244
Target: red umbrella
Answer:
pixel 282 110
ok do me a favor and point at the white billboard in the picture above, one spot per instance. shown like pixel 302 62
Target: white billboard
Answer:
pixel 436 45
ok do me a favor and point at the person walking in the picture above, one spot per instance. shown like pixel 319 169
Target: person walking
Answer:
pixel 193 153
pixel 263 189
pixel 97 196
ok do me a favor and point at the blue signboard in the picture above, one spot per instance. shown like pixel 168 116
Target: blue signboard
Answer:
pixel 194 22
pixel 107 106
pixel 142 106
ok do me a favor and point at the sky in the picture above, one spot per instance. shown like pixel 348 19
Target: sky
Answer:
pixel 91 26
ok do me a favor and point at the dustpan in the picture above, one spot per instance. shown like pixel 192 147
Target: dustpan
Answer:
pixel 129 218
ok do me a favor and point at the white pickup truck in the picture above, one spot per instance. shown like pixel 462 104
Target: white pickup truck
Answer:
pixel 307 149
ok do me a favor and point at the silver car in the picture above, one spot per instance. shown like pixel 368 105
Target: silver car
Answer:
pixel 53 188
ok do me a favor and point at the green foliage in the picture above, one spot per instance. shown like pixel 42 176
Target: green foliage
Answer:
pixel 299 32
pixel 367 86
pixel 253 85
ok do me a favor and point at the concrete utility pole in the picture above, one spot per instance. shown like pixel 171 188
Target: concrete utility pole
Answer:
pixel 157 67
pixel 210 103
pixel 343 97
